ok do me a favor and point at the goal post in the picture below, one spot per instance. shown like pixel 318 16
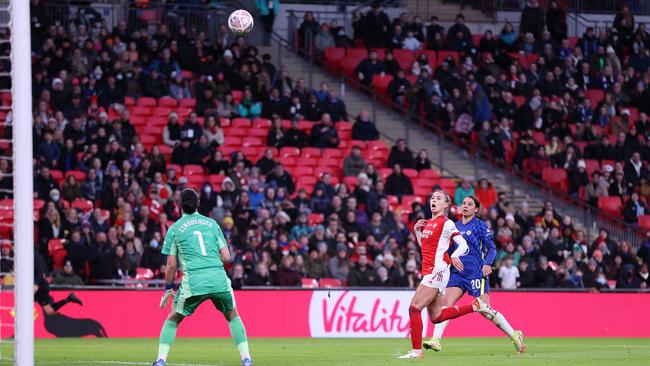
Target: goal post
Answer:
pixel 23 181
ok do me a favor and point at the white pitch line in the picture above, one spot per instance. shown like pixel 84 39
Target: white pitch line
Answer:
pixel 106 363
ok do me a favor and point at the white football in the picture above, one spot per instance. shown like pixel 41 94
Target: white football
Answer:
pixel 240 22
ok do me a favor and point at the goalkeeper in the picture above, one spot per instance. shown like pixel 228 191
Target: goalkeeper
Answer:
pixel 196 242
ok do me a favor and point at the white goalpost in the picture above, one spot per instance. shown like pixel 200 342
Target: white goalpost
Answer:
pixel 23 182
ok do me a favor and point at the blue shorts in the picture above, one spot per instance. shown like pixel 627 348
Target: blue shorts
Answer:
pixel 473 286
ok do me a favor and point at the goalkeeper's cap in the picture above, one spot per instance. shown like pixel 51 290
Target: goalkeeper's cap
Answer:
pixel 189 200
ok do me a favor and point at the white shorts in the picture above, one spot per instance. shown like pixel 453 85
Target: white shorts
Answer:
pixel 437 279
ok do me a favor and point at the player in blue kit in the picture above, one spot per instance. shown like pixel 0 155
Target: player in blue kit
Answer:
pixel 478 266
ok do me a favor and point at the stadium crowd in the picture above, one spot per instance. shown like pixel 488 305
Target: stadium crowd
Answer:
pixel 111 219
pixel 573 110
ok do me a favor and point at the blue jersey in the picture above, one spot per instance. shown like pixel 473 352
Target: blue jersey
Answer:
pixel 481 248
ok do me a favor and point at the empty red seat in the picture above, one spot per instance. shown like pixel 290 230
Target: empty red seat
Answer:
pixel 192 169
pixel 309 282
pixel 167 102
pixel 187 102
pixel 644 222
pixel 303 170
pixel 82 204
pixel 411 173
pixel 287 160
pixel 595 95
pixel 429 173
pixel 241 122
pixel 261 123
pixel 556 178
pixel 146 102
pixel 330 283
pixel 333 57
pixel 357 53
pixel 252 141
pixel 310 152
pixel 611 205
pixel 289 152
pixel 380 83
pixel 592 166
pixel 140 111
pixel 332 153
pixel 350 181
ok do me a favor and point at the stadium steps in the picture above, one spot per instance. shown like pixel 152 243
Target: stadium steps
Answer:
pixel 446 12
pixel 456 163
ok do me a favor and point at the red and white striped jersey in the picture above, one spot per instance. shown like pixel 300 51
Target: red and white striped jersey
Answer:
pixel 436 238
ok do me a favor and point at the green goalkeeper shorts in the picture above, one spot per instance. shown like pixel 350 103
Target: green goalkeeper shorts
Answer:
pixel 223 301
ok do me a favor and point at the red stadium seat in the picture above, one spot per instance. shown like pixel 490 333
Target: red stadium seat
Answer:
pixel 147 102
pixel 378 145
pixel 315 219
pixel 187 102
pixel 82 204
pixel 289 152
pixel 177 168
pixel 592 166
pixel 310 152
pixel 216 180
pixel 350 181
pixel 330 283
pixel 380 83
pixel 192 169
pixel 252 141
pixel 78 174
pixel 611 205
pixel 167 102
pixel 595 95
pixel 57 252
pixel 556 178
pixel 332 153
pixel 333 57
pixel 644 222
pixel 241 122
pixel 411 173
pixel 303 170
pixel 357 53
pixel 429 173
pixel 261 123
pixel 348 65
pixel 309 282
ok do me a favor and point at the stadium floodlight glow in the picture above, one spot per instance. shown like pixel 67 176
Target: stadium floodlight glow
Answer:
pixel 23 182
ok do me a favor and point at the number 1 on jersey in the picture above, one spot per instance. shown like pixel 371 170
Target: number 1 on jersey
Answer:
pixel 201 244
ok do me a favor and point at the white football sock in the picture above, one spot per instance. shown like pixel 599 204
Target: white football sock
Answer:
pixel 244 355
pixel 439 329
pixel 500 321
pixel 163 351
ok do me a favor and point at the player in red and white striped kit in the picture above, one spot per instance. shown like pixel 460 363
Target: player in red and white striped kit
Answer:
pixel 435 236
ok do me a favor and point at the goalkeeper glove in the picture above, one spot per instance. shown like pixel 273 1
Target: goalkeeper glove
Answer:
pixel 169 294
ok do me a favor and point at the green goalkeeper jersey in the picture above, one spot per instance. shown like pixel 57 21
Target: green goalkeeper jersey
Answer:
pixel 196 240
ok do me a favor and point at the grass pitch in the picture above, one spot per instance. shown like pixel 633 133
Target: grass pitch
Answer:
pixel 340 352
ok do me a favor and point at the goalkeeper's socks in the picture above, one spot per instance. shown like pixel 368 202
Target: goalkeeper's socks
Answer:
pixel 238 333
pixel 167 336
pixel 500 321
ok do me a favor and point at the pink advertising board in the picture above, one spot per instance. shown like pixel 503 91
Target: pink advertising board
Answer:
pixel 339 313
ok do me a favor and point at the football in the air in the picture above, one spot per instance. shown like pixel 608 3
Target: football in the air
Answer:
pixel 240 22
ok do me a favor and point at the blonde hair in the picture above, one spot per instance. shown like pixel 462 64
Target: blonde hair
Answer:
pixel 447 200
